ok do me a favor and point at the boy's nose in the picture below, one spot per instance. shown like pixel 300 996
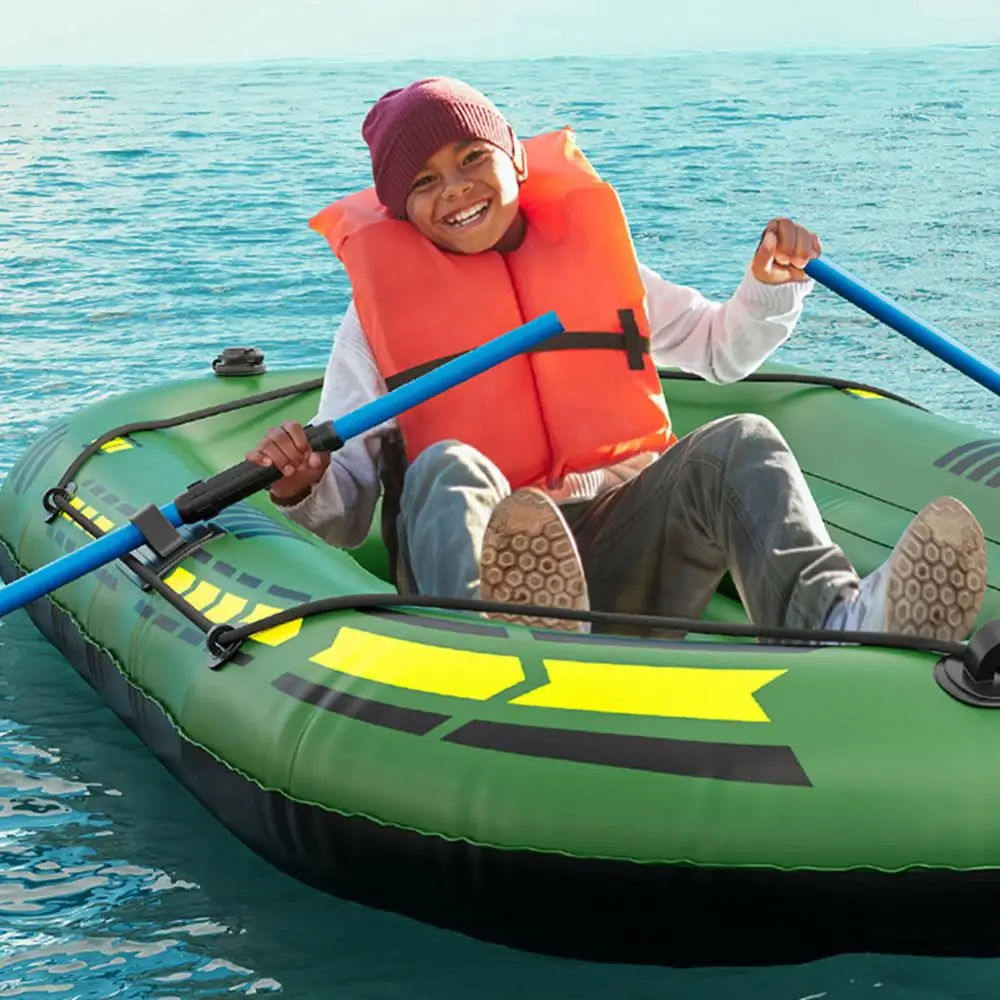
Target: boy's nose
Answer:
pixel 456 185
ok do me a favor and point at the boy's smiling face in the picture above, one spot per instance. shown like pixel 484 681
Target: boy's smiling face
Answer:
pixel 465 199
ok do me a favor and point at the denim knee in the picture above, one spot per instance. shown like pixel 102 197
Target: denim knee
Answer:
pixel 742 430
pixel 452 463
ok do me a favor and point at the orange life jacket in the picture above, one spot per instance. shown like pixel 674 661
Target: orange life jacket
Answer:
pixel 584 400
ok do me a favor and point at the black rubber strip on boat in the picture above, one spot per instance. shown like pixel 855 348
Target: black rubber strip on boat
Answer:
pixel 763 764
pixel 378 713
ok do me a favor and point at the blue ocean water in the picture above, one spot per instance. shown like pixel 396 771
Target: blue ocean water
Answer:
pixel 150 217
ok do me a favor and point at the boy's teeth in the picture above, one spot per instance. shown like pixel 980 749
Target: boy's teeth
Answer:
pixel 469 213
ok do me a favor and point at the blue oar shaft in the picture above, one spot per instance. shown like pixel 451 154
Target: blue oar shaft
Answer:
pixel 930 338
pixel 126 538
pixel 447 375
pixel 71 567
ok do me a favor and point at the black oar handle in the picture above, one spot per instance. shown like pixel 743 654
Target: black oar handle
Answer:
pixel 205 499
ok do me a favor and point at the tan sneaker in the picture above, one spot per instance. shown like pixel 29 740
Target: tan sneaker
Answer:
pixel 530 557
pixel 933 583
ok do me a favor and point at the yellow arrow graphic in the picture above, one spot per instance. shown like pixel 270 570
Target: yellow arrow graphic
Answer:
pixel 444 670
pixel 723 694
pixel 720 694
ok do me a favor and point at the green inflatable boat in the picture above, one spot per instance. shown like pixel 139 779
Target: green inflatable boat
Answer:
pixel 717 799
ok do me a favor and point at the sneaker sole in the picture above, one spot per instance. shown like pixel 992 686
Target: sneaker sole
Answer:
pixel 937 577
pixel 530 557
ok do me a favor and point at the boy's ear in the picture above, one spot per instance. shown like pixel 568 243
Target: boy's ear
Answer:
pixel 521 164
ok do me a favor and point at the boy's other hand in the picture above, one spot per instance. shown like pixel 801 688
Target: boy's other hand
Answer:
pixel 784 250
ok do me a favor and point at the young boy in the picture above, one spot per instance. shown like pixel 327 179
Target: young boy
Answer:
pixel 554 479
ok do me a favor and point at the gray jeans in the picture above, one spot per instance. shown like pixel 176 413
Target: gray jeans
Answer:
pixel 728 496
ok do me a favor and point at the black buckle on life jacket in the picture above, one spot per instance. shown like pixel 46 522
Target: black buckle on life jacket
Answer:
pixel 636 345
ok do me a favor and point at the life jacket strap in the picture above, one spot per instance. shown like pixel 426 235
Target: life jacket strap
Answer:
pixel 630 340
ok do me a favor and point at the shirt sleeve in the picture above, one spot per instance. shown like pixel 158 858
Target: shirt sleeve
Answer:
pixel 720 341
pixel 341 506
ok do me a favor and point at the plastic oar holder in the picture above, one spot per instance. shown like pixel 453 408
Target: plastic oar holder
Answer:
pixel 203 500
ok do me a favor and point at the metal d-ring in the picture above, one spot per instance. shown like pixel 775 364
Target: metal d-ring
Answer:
pixel 220 652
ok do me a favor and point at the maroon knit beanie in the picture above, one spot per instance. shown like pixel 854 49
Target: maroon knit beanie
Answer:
pixel 408 125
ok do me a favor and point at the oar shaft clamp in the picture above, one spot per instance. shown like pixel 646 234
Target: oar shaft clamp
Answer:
pixel 161 536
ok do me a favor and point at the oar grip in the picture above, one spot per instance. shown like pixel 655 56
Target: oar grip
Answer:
pixel 205 499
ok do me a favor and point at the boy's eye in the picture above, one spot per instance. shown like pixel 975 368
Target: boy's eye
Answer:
pixel 422 181
pixel 475 154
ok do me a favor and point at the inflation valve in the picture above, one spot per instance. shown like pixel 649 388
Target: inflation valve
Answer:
pixel 240 361
pixel 974 678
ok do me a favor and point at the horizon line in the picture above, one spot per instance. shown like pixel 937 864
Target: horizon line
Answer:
pixel 561 56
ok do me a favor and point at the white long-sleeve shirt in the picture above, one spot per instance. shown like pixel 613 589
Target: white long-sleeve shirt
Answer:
pixel 722 342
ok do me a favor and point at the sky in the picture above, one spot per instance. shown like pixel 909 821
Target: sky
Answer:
pixel 142 32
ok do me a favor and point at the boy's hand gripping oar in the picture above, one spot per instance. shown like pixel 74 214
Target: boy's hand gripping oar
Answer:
pixel 875 304
pixel 205 499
